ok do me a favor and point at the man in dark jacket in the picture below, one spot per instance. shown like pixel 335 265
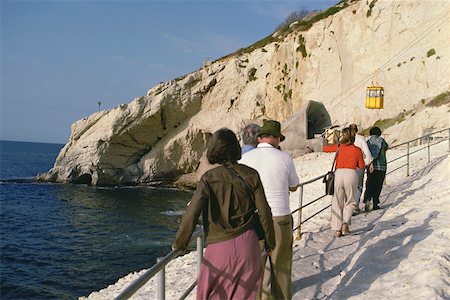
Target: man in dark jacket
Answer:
pixel 374 183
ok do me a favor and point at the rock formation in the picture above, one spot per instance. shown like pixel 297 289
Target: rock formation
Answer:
pixel 162 137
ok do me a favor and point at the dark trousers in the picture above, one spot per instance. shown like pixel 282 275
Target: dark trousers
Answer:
pixel 374 184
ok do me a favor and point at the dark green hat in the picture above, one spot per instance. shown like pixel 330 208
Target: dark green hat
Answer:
pixel 272 128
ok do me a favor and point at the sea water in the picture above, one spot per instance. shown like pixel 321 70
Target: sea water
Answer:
pixel 62 241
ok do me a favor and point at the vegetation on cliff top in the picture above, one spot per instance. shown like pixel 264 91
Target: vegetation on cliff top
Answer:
pixel 305 20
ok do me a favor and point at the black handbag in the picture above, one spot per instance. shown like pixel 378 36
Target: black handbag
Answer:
pixel 258 227
pixel 329 177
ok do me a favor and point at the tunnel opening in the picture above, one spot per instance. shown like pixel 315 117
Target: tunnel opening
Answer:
pixel 317 118
pixel 304 130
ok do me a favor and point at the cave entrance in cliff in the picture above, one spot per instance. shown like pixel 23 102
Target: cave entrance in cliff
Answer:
pixel 304 129
pixel 317 118
pixel 84 179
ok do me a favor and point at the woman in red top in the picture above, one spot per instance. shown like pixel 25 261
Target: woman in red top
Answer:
pixel 349 157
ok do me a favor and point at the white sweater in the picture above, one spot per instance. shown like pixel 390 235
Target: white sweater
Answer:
pixel 362 144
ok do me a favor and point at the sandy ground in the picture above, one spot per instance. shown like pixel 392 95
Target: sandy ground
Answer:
pixel 401 251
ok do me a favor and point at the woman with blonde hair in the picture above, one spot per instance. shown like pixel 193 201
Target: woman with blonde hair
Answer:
pixel 226 197
pixel 348 159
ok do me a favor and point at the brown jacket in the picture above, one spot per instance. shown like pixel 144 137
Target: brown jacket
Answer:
pixel 225 206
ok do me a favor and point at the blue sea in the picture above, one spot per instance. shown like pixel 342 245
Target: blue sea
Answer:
pixel 63 241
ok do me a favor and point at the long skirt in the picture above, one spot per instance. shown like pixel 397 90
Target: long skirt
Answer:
pixel 231 269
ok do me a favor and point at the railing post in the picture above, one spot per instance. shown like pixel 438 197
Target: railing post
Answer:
pixel 407 159
pixel 161 279
pixel 428 146
pixel 199 252
pixel 300 204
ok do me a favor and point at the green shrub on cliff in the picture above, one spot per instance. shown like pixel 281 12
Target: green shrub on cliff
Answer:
pixel 439 100
pixel 286 28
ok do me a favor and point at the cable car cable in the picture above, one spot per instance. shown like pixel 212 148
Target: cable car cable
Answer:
pixel 407 47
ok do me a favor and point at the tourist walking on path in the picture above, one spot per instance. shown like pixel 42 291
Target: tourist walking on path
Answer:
pixel 361 143
pixel 374 183
pixel 278 176
pixel 250 137
pixel 231 266
pixel 349 158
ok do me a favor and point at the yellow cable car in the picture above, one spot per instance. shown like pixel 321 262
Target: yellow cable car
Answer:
pixel 375 97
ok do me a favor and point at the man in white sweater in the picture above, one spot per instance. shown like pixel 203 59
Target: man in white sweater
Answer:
pixel 362 144
pixel 279 177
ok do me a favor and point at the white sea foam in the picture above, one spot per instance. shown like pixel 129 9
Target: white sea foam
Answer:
pixel 173 212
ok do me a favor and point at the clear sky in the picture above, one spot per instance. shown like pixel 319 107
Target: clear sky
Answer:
pixel 60 58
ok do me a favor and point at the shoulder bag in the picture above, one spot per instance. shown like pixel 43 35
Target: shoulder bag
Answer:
pixel 258 227
pixel 329 177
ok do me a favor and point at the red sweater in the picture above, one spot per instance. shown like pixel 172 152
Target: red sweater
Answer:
pixel 349 156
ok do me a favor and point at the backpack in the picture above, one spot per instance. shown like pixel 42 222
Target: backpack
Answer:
pixel 374 143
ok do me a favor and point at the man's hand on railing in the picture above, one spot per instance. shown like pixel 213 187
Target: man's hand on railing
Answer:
pixel 294 188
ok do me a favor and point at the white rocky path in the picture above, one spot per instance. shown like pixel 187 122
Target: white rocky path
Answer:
pixel 397 252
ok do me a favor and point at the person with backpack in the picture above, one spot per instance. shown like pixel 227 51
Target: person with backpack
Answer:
pixel 377 146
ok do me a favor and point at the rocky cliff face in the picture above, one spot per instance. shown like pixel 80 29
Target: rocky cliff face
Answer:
pixel 162 137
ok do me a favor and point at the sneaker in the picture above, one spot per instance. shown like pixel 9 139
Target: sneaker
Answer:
pixel 375 207
pixel 338 233
pixel 367 206
pixel 356 211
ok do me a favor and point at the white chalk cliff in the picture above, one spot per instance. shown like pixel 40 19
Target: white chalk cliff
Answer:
pixel 161 137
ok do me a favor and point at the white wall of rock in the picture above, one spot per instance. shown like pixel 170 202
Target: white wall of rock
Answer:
pixel 162 135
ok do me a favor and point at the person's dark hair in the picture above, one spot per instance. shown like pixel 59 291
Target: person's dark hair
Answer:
pixel 346 136
pixel 250 134
pixel 375 131
pixel 353 129
pixel 223 147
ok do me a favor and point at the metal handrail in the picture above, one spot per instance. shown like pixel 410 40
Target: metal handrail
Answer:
pixel 408 153
pixel 420 138
pixel 138 283
pixel 161 263
pixel 189 290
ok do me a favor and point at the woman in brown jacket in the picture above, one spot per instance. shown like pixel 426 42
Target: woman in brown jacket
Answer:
pixel 226 197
